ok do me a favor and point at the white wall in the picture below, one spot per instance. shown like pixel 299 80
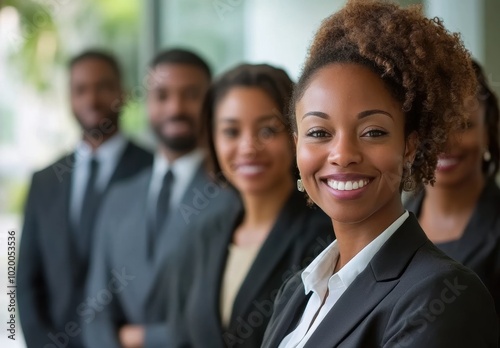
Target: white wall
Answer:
pixel 464 16
pixel 280 31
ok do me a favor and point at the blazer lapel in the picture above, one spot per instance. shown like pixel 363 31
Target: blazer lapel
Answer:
pixel 136 238
pixel 216 265
pixel 61 215
pixel 178 221
pixel 371 286
pixel 177 225
pixel 59 227
pixel 287 319
pixel 352 307
pixel 124 167
pixel 479 231
pixel 277 243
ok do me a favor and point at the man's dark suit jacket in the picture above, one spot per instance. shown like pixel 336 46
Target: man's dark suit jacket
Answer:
pixel 50 277
pixel 138 277
pixel 479 247
pixel 410 295
pixel 299 234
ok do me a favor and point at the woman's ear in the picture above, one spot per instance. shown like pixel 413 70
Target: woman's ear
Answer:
pixel 411 147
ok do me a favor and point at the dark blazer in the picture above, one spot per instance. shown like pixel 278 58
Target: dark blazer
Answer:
pixel 479 246
pixel 410 295
pixel 122 252
pixel 299 234
pixel 50 277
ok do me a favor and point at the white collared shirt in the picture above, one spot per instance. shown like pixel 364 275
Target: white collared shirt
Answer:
pixel 108 155
pixel 183 169
pixel 318 279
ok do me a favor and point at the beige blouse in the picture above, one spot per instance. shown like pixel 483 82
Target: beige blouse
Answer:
pixel 239 261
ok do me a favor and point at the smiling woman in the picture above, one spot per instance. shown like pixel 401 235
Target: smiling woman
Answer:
pixel 242 258
pixel 242 131
pixel 460 213
pixel 377 99
pixel 350 156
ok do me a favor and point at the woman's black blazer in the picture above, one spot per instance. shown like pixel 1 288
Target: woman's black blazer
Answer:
pixel 479 247
pixel 298 236
pixel 410 295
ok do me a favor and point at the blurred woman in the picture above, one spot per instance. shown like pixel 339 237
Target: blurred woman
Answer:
pixel 460 213
pixel 242 258
pixel 377 97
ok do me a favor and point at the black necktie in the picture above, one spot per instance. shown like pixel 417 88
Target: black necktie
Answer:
pixel 90 205
pixel 163 201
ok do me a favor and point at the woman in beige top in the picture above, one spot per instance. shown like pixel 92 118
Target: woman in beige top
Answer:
pixel 242 258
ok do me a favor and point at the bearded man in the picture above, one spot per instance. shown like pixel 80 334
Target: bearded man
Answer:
pixel 146 221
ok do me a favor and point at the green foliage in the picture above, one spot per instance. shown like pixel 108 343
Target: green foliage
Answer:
pixel 17 192
pixel 40 49
pixel 38 42
pixel 133 119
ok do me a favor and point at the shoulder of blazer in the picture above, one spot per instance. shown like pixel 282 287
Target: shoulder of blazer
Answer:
pixel 318 221
pixel 419 265
pixel 489 203
pixel 398 253
pixel 312 227
pixel 53 172
pixel 143 155
pixel 221 199
pixel 438 296
pixel 56 176
pixel 132 161
pixel 219 220
pixel 133 187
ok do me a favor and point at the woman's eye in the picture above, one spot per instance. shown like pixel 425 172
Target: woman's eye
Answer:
pixel 267 132
pixel 317 133
pixel 374 133
pixel 230 132
pixel 161 96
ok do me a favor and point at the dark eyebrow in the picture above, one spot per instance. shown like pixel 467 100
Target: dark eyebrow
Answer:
pixel 361 115
pixel 317 114
pixel 261 119
pixel 266 118
pixel 367 113
pixel 228 120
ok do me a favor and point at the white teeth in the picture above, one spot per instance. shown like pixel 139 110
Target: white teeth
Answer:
pixel 347 185
pixel 250 169
pixel 446 162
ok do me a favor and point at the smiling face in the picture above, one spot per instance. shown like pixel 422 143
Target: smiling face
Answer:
pixel 462 162
pixel 96 93
pixel 175 101
pixel 251 142
pixel 351 144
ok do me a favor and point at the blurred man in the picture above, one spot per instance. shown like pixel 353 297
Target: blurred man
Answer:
pixel 63 204
pixel 138 237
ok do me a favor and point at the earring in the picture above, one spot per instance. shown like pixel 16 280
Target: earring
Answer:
pixel 408 182
pixel 300 185
pixel 486 156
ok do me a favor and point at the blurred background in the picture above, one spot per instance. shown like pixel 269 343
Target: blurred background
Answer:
pixel 37 38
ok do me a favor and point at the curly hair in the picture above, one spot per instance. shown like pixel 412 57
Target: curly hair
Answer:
pixel 425 67
pixel 486 96
pixel 275 82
